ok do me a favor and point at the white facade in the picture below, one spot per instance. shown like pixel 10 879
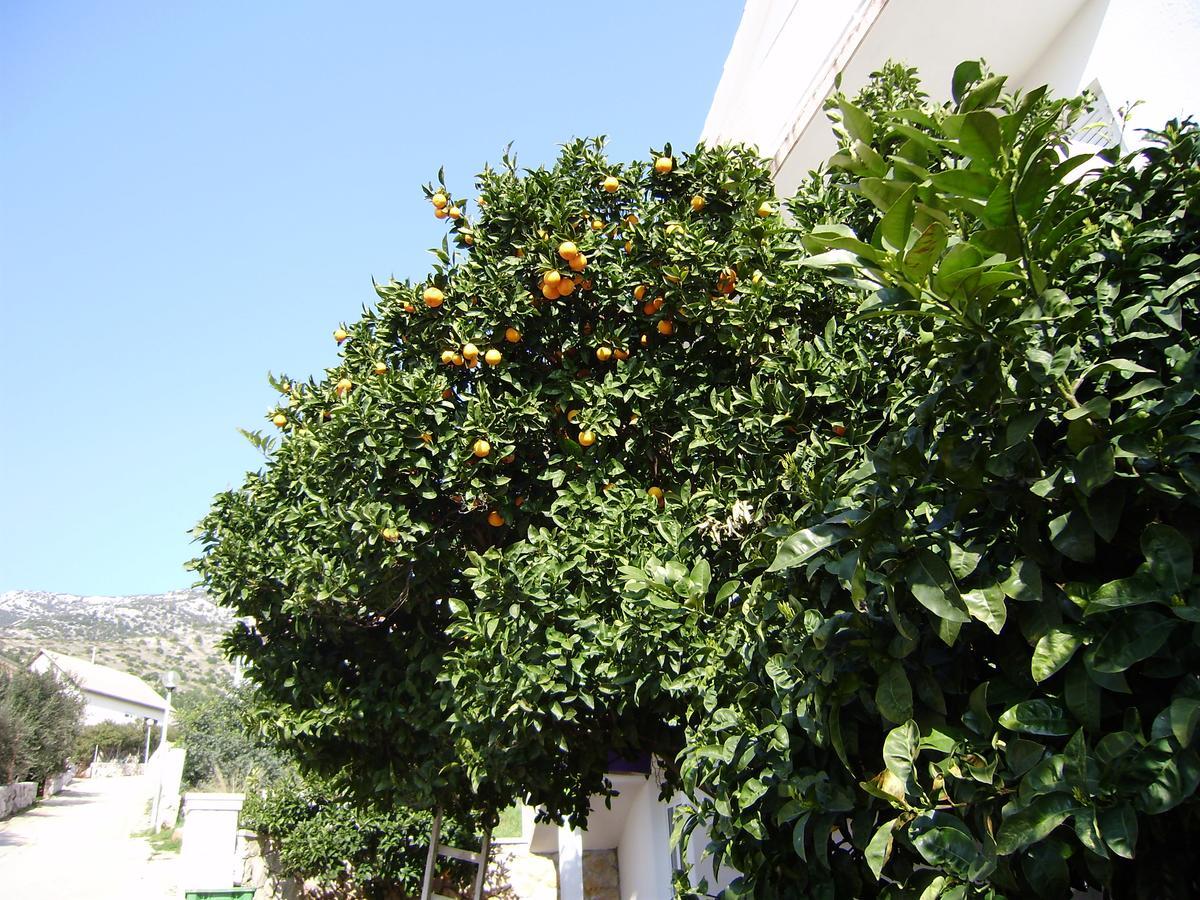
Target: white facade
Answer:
pixel 787 53
pixel 109 695
pixel 635 823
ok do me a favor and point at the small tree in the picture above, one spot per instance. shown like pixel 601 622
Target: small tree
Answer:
pixel 112 740
pixel 221 750
pixel 879 531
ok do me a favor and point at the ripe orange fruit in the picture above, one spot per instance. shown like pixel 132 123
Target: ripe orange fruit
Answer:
pixel 552 278
pixel 578 263
pixel 698 203
pixel 454 212
pixel 508 460
pixel 639 292
pixel 587 438
pixel 727 281
pixel 656 492
pixel 468 238
pixel 472 363
pixel 666 326
pixel 408 307
pixel 550 291
pixel 610 183
pixel 604 354
pixel 439 213
pixel 597 225
pixel 631 219
pixel 621 354
pixel 279 419
pixel 519 502
pixel 512 335
pixel 568 250
pixel 447 394
pixel 645 340
pixel 439 200
pixel 481 448
pixel 381 368
pixel 839 430
pixel 457 359
pixel 433 297
pixel 343 386
pixel 586 284
pixel 447 357
pixel 493 357
pixel 629 246
pixel 340 335
pixel 495 519
pixel 566 287
pixel 674 228
pixel 470 352
pixel 572 416
pixel 663 165
pixel 765 209
pixel 391 535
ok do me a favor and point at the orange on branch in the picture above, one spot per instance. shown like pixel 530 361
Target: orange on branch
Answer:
pixel 481 448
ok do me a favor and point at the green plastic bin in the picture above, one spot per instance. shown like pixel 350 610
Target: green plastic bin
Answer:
pixel 224 894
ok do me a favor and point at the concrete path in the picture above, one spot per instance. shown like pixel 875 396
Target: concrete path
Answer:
pixel 79 845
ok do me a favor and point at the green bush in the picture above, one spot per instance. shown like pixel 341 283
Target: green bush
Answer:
pixel 913 607
pixel 222 752
pixel 111 740
pixel 348 847
pixel 40 719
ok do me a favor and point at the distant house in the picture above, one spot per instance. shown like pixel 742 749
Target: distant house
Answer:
pixel 109 695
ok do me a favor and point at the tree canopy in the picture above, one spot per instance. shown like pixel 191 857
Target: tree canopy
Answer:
pixel 874 523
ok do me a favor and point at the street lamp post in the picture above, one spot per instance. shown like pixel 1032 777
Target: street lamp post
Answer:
pixel 168 683
pixel 149 728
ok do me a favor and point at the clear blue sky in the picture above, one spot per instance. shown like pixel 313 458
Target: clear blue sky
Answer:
pixel 194 193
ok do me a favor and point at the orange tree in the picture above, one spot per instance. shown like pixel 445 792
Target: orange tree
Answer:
pixel 876 528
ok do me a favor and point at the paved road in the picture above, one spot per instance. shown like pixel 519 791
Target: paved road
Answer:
pixel 78 846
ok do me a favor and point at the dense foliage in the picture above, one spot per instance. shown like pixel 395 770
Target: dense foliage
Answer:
pixel 108 741
pixel 40 718
pixel 348 848
pixel 222 752
pixel 878 528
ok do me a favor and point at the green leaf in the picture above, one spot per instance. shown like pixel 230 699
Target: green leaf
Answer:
pixel 1094 467
pixel 1054 650
pixel 924 253
pixel 879 849
pixel 964 183
pixel 803 545
pixel 857 123
pixel 966 73
pixel 1024 582
pixel 1179 720
pixel 1119 828
pixel 1168 556
pixel 931 583
pixel 946 843
pixel 893 696
pixel 988 606
pixel 896 225
pixel 1072 535
pixel 980 136
pixel 900 750
pixel 1121 594
pixel 1034 822
pixel 1037 717
pixel 1130 640
pixel 1175 780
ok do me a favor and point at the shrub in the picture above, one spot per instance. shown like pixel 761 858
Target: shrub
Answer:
pixel 346 846
pixel 111 740
pixel 222 753
pixel 40 718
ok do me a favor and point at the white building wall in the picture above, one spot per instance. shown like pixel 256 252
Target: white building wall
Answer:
pixel 99 708
pixel 644 851
pixel 786 54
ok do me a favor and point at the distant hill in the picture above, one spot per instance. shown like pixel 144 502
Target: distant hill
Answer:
pixel 145 634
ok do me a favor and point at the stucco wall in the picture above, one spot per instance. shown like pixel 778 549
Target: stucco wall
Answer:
pixel 643 855
pixel 785 55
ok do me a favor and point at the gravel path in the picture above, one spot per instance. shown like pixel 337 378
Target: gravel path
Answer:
pixel 79 845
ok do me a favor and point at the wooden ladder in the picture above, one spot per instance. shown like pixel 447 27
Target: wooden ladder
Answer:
pixel 437 848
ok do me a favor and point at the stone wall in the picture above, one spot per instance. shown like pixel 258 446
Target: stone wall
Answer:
pixel 52 786
pixel 16 797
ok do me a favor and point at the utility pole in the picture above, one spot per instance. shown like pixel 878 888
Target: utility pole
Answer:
pixel 169 684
